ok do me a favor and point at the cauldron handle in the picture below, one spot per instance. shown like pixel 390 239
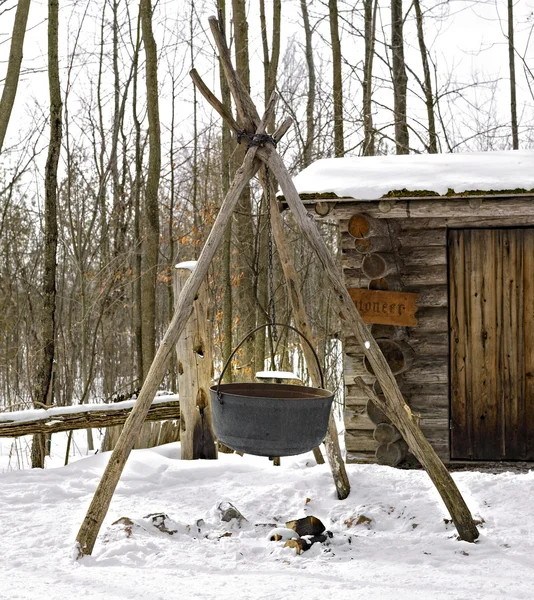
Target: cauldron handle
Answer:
pixel 254 331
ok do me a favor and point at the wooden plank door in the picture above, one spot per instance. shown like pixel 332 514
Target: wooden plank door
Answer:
pixel 491 299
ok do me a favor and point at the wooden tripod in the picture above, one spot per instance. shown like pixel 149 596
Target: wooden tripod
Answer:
pixel 393 405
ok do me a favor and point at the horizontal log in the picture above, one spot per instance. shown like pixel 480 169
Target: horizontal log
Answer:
pixel 421 239
pixel 430 405
pixel 435 425
pixel 369 244
pixel 392 332
pixel 365 457
pixel 432 319
pixel 427 256
pixel 354 396
pixel 431 296
pixel 429 343
pixel 358 440
pixel 464 208
pixel 411 278
pixel 407 225
pixel 90 416
pixel 353 367
pixel 353 419
pixel 427 369
pixel 385 433
pixel 423 342
pixel 391 454
pixel 415 389
pixel 392 282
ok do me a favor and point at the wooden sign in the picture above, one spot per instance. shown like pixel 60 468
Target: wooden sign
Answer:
pixel 386 307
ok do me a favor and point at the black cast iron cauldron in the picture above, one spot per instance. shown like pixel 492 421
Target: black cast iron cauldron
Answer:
pixel 270 419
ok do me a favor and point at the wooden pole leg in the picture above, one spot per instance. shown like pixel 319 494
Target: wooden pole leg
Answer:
pixel 393 406
pixel 99 506
pixel 294 287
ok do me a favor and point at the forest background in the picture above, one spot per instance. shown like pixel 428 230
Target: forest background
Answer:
pixel 112 169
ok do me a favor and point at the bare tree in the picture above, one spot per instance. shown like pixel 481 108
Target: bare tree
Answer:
pixel 339 143
pixel 400 79
pixel 427 86
pixel 244 230
pixel 43 388
pixel 310 102
pixel 226 151
pixel 511 65
pixel 370 9
pixel 151 206
pixel 13 67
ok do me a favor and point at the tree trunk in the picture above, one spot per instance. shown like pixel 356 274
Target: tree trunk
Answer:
pixel 511 64
pixel 243 224
pixel 13 67
pixel 195 364
pixel 270 62
pixel 339 144
pixel 307 151
pixel 400 79
pixel 429 97
pixel 43 391
pixel 138 251
pixel 227 147
pixel 370 8
pixel 151 208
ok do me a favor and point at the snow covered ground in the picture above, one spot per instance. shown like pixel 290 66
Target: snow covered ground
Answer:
pixel 405 550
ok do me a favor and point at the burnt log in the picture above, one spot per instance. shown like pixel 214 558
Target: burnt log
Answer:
pixel 306 526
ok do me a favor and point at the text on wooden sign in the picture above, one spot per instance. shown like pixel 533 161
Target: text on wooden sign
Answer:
pixel 385 307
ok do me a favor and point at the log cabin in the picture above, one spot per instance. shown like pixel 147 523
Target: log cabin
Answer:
pixel 438 254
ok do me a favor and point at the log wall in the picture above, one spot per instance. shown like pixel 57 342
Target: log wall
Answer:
pixel 402 245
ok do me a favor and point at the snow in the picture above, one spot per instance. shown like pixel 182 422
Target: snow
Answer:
pixel 276 375
pixel 187 264
pixel 402 549
pixel 371 177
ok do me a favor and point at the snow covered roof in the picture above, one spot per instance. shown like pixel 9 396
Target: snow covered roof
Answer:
pixel 372 177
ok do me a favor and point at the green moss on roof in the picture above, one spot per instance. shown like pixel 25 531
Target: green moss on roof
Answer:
pixel 319 196
pixel 404 193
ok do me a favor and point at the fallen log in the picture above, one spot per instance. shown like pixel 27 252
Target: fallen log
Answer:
pixel 86 416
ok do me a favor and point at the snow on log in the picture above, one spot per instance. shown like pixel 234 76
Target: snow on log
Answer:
pixel 67 418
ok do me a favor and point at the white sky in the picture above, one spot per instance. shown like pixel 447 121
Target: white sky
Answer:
pixel 466 39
